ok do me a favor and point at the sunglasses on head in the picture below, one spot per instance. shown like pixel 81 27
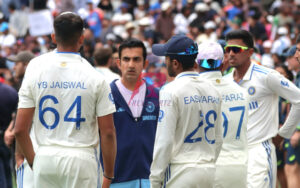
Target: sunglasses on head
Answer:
pixel 210 63
pixel 193 49
pixel 235 48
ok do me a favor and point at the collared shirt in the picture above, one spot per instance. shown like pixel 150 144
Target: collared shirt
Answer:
pixel 264 87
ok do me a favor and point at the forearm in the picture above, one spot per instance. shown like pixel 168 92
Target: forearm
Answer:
pixel 109 150
pixel 21 131
pixel 25 144
pixel 291 123
pixel 19 157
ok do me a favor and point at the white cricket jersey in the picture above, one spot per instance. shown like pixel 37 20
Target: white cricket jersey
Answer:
pixel 235 102
pixel 264 87
pixel 189 130
pixel 68 94
pixel 108 75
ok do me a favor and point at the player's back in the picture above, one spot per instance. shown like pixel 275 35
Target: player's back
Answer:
pixel 235 117
pixel 65 89
pixel 198 104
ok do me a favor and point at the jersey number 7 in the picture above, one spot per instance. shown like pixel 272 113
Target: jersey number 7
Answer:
pixel 225 123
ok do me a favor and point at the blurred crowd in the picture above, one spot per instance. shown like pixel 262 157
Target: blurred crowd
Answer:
pixel 275 24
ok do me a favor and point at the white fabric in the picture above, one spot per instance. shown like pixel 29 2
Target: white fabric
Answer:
pixel 188 176
pixel 280 44
pixel 189 131
pixel 24 176
pixel 107 74
pixel 7 40
pixel 234 153
pixel 119 17
pixel 136 102
pixel 181 24
pixel 262 165
pixel 68 94
pixel 66 167
pixel 264 86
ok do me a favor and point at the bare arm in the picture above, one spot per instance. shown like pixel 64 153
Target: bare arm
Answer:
pixel 23 125
pixel 108 146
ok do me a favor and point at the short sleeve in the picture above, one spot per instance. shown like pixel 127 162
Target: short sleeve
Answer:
pixel 105 100
pixel 26 99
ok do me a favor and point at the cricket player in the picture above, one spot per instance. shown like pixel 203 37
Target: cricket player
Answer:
pixel 189 131
pixel 64 98
pixel 264 87
pixel 231 166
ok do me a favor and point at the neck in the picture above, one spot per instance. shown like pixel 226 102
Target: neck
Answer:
pixel 240 71
pixel 74 49
pixel 102 66
pixel 187 70
pixel 131 85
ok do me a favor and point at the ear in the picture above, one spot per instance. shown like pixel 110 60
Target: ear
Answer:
pixel 251 51
pixel 176 64
pixel 146 64
pixel 53 38
pixel 119 63
pixel 81 39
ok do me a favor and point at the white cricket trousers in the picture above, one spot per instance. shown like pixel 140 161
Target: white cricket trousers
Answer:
pixel 66 167
pixel 189 176
pixel 24 176
pixel 231 176
pixel 262 165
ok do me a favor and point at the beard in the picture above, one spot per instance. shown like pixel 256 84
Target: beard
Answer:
pixel 171 72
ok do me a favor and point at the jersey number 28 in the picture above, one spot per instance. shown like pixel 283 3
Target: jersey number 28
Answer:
pixel 189 138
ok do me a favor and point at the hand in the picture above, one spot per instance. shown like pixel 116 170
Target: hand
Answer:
pixel 19 159
pixel 106 182
pixel 9 137
pixel 277 141
pixel 295 139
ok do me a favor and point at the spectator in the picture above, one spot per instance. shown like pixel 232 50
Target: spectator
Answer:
pixel 8 105
pixel 103 58
pixel 164 23
pixel 94 19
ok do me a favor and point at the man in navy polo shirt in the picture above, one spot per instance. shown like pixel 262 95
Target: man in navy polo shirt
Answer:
pixel 136 117
pixel 8 104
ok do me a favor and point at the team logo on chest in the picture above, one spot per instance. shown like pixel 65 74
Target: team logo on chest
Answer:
pixel 150 107
pixel 251 90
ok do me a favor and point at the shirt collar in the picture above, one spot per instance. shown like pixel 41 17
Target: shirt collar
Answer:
pixel 248 74
pixel 211 74
pixel 187 73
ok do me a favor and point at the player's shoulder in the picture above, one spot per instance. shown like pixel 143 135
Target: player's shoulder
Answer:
pixel 262 71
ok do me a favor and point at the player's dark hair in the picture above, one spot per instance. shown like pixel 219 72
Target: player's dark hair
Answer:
pixel 244 35
pixel 186 61
pixel 102 55
pixel 289 74
pixel 68 28
pixel 133 43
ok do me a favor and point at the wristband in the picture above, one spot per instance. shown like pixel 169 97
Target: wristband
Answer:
pixel 110 178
